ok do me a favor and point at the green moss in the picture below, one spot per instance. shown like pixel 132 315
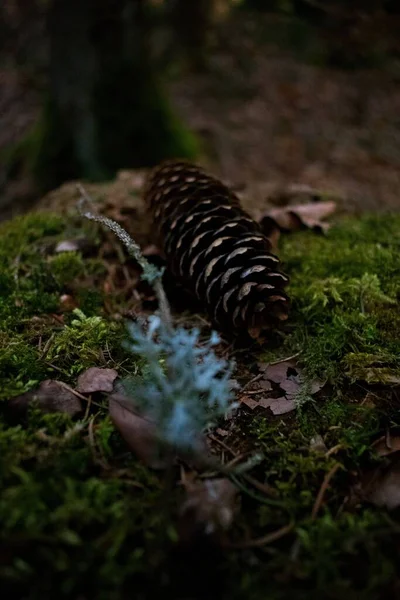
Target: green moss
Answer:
pixel 82 344
pixel 48 514
pixel 344 287
pixel 78 512
pixel 32 281
pixel 67 266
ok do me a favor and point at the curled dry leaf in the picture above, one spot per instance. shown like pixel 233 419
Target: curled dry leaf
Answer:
pixel 50 396
pixel 209 507
pixel 298 216
pixel 138 432
pixel 387 444
pixel 317 444
pixel 381 487
pixel 96 379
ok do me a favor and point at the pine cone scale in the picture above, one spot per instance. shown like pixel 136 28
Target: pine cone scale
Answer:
pixel 216 250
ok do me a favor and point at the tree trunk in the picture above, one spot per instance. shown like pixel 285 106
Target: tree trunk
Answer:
pixel 104 109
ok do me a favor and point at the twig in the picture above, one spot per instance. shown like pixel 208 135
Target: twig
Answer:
pixel 222 444
pixel 150 273
pixel 262 541
pixel 323 488
pixel 47 346
pixel 78 394
pixel 266 489
pixel 281 360
pixel 253 380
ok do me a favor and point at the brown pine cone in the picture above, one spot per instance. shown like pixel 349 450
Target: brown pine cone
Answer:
pixel 216 250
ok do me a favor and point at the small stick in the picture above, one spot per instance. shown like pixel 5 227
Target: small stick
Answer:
pixel 150 273
pixel 322 490
pixel 262 541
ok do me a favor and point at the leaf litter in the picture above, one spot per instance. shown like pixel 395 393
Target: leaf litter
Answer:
pixel 285 378
pixel 208 508
pixel 295 217
pixel 50 396
pixel 96 379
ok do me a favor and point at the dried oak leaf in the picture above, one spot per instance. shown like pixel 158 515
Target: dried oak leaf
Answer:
pixel 96 379
pixel 299 216
pixel 50 396
pixel 209 507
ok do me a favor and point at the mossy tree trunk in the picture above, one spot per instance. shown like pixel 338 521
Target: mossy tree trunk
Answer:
pixel 192 22
pixel 104 107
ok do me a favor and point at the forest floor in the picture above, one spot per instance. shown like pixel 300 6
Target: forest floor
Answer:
pixel 269 112
pixel 316 513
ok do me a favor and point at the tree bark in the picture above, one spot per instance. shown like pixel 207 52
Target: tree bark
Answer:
pixel 104 109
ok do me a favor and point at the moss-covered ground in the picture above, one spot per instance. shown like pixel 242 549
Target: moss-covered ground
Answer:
pixel 81 517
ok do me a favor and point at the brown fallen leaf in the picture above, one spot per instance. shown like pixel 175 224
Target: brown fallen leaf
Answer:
pixel 96 379
pixel 209 507
pixel 277 372
pixel 50 396
pixel 138 432
pixel 266 402
pixel 298 216
pixel 281 406
pixel 381 487
pixel 291 386
pixel 387 444
pixel 265 385
pixel 250 402
pixel 141 435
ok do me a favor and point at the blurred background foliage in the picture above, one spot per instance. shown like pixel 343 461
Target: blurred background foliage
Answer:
pixel 99 67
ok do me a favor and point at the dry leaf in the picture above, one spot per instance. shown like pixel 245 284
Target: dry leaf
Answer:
pixel 266 386
pixel 96 379
pixel 50 396
pixel 387 444
pixel 381 487
pixel 209 507
pixel 298 216
pixel 281 406
pixel 139 433
pixel 250 402
pixel 291 386
pixel 266 402
pixel 317 444
pixel 278 372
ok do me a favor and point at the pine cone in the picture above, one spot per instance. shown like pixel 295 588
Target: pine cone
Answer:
pixel 216 250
